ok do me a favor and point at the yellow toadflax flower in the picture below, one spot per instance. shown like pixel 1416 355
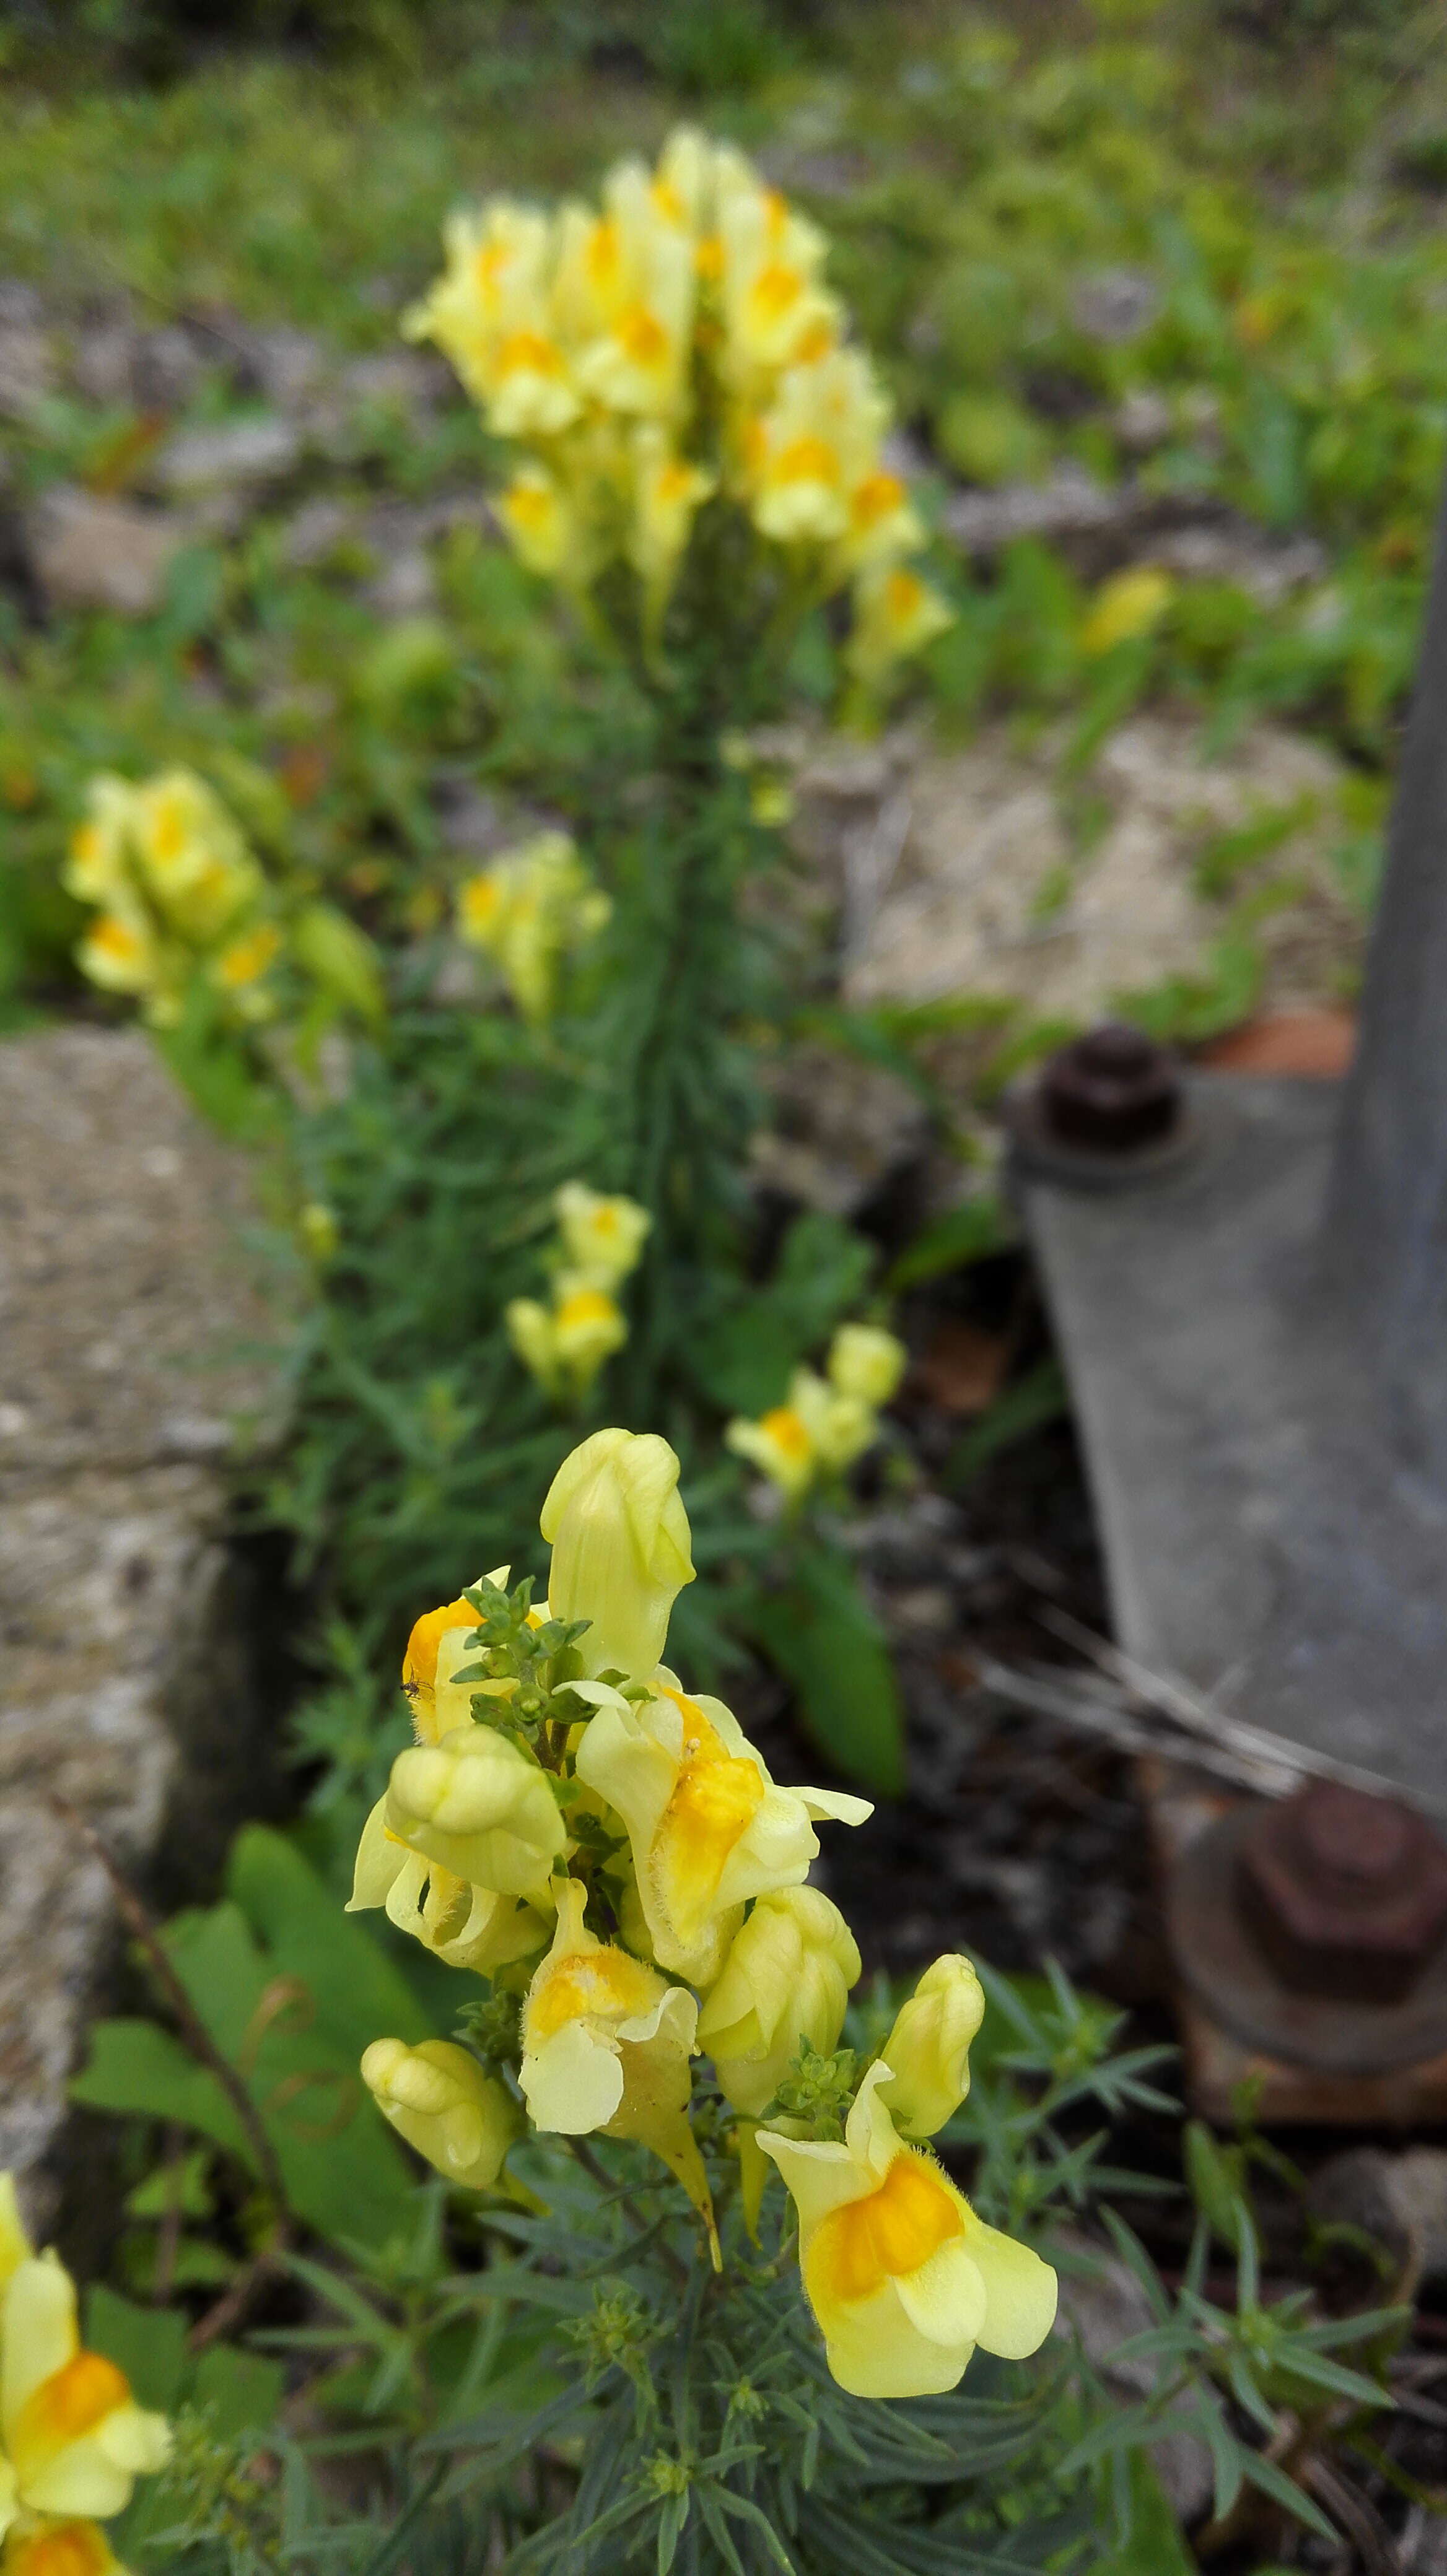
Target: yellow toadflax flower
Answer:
pixel 243 965
pixel 928 2050
pixel 51 2548
pixel 607 2045
pixel 786 1979
pixel 96 870
pixel 809 452
pixel 530 909
pixel 866 1362
pixel 437 1644
pixel 437 2097
pixel 72 2431
pixel 895 614
pixel 566 1344
pixel 903 2279
pixel 602 1237
pixel 190 855
pixel 490 312
pixel 541 517
pixel 707 1826
pixel 120 953
pixel 621 1544
pixel 626 285
pixel 767 261
pixel 779 1443
pixel 821 1428
pixel 881 520
pixel 668 493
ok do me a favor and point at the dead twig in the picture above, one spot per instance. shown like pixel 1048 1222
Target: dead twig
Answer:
pixel 1151 1703
pixel 1356 2516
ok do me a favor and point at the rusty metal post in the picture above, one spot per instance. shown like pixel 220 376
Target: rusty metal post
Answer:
pixel 1385 1240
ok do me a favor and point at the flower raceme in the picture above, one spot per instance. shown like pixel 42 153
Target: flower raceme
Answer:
pixel 73 2441
pixel 175 888
pixel 611 1852
pixel 673 348
pixel 828 1422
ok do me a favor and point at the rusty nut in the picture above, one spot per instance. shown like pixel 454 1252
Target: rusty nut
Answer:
pixel 1346 1894
pixel 1111 1091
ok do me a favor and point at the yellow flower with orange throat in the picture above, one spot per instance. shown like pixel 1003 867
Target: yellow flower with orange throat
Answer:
pixel 529 910
pixel 607 2045
pixel 708 1827
pixel 73 2440
pixel 904 2280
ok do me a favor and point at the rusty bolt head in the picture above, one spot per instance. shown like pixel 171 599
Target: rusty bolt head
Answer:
pixel 1111 1091
pixel 1346 1894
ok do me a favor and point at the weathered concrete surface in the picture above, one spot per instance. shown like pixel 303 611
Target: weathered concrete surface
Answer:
pixel 125 1683
pixel 966 872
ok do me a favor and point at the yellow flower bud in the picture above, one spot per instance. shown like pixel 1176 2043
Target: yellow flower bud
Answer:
pixel 621 1548
pixel 901 2275
pixel 320 1234
pixel 531 1331
pixel 1129 604
pixel 465 1926
pixel 437 2097
pixel 476 1803
pixel 786 1979
pixel 866 1362
pixel 928 2050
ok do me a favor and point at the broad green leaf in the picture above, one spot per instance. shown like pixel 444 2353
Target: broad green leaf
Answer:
pixel 148 2344
pixel 823 1637
pixel 137 2067
pixel 291 1990
pixel 359 1990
